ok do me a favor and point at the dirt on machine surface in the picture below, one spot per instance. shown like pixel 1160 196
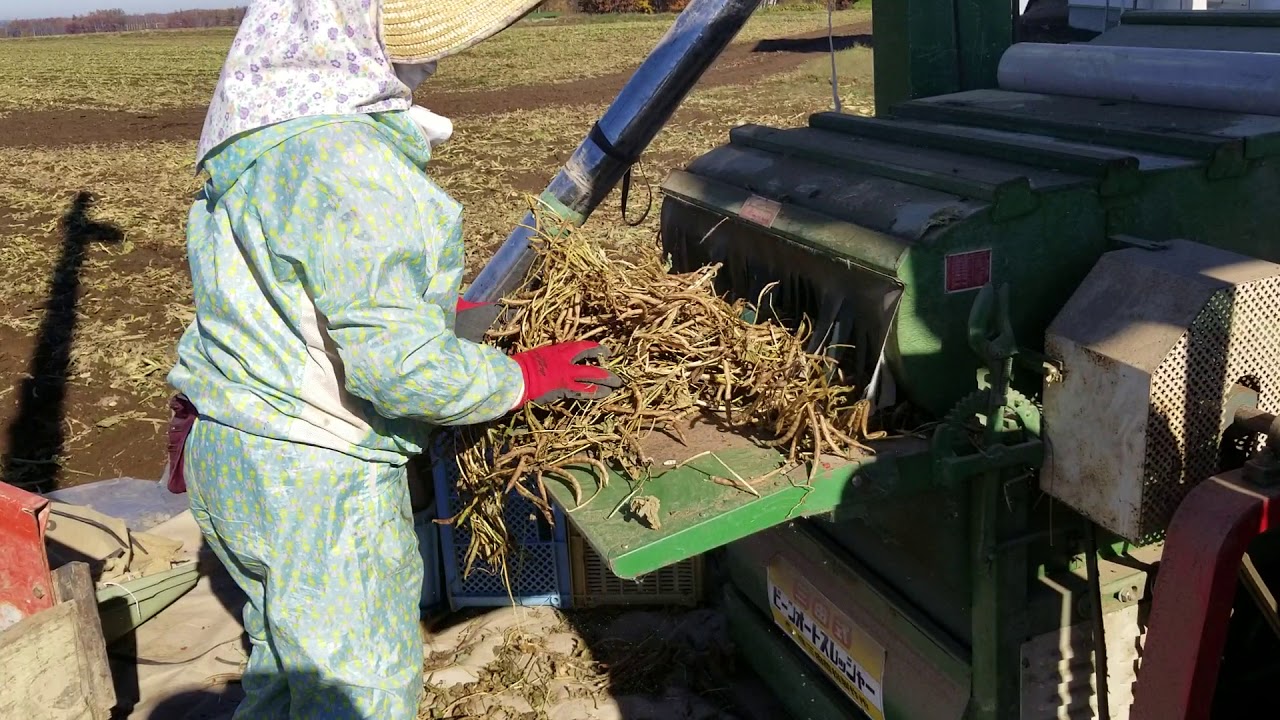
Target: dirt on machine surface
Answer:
pixel 741 64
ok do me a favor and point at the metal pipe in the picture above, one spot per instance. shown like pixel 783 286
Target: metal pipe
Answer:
pixel 1254 420
pixel 698 36
pixel 1244 82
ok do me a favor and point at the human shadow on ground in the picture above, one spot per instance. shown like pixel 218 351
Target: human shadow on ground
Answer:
pixel 618 663
pixel 37 434
pixel 813 45
pixel 126 657
pixel 220 703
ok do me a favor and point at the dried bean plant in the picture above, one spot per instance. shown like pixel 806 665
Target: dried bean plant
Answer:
pixel 680 349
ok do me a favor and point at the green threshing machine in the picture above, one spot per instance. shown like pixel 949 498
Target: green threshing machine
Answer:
pixel 1053 269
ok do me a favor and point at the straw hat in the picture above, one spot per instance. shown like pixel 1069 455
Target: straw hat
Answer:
pixel 420 31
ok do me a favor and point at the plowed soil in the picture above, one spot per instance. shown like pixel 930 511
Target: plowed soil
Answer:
pixel 38 394
pixel 740 64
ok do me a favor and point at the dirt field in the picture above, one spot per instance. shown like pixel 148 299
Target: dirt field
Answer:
pixel 97 136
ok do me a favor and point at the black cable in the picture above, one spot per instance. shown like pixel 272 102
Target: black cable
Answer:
pixel 627 160
pixel 123 543
pixel 626 187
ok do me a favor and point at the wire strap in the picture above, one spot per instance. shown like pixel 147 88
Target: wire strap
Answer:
pixel 628 161
pixel 831 43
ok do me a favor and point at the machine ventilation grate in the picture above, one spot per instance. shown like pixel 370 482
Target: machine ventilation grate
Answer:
pixel 595 585
pixel 1235 336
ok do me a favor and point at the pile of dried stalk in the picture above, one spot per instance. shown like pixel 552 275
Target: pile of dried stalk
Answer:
pixel 679 348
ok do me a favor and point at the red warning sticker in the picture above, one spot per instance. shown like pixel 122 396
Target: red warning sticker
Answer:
pixel 968 270
pixel 761 211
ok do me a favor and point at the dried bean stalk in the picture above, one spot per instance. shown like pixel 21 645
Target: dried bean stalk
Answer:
pixel 681 349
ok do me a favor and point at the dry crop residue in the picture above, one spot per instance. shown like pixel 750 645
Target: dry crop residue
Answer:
pixel 680 349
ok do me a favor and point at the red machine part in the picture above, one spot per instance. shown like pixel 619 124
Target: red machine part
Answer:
pixel 25 584
pixel 1194 592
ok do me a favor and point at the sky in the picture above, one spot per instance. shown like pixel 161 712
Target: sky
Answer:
pixel 16 9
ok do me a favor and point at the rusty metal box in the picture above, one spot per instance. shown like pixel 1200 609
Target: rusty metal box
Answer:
pixel 1151 345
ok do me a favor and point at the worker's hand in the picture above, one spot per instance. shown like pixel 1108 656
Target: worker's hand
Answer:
pixel 553 372
pixel 473 320
pixel 437 128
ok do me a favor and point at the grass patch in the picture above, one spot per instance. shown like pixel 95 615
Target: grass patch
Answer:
pixel 170 69
pixel 133 71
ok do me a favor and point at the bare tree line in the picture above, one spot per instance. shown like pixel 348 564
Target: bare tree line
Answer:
pixel 117 20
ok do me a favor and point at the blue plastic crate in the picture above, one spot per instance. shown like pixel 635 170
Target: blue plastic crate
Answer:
pixel 538 564
pixel 424 526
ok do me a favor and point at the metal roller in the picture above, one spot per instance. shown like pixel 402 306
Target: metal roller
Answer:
pixel 1246 82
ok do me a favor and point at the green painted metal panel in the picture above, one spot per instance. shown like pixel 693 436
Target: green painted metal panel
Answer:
pixel 1228 19
pixel 1223 139
pixel 799 686
pixel 930 353
pixel 915 51
pixel 931 47
pixel 921 658
pixel 1116 172
pixel 1238 214
pixel 984 30
pixel 1010 195
pixel 822 234
pixel 930 563
pixel 698 514
pixel 1193 37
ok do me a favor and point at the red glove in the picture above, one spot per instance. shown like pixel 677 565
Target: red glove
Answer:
pixel 472 320
pixel 552 372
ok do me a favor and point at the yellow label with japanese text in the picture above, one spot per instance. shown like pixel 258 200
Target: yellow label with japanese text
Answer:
pixel 846 654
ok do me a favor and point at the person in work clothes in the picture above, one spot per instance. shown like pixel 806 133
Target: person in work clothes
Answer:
pixel 326 267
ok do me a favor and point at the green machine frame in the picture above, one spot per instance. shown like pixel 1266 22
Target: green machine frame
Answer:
pixel 935 47
pixel 942 536
pixel 990 464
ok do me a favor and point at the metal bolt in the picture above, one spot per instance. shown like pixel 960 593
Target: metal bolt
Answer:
pixel 1127 595
pixel 38 591
pixel 1052 373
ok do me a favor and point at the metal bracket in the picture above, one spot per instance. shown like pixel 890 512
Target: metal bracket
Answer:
pixel 990 328
pixel 1049 368
pixel 1140 243
pixel 1011 417
pixel 1194 592
pixel 1262 595
pixel 997 457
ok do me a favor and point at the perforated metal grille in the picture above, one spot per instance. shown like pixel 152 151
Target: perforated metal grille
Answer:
pixel 1236 337
pixel 595 585
pixel 535 563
